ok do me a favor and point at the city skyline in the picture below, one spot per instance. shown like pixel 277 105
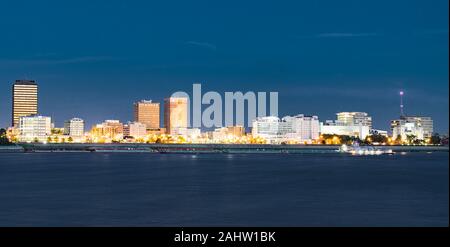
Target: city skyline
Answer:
pixel 152 116
pixel 357 62
pixel 265 127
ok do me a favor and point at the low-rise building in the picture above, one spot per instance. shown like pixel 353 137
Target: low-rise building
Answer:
pixel 402 128
pixel 135 129
pixel 74 127
pixel 379 132
pixel 356 124
pixel 187 133
pixel 108 131
pixel 339 128
pixel 225 134
pixel 298 129
pixel 426 123
pixel 34 128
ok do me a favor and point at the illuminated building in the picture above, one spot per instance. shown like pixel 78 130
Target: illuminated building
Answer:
pixel 227 133
pixel 108 130
pixel 271 128
pixel 237 131
pixel 301 128
pixel 378 132
pixel 426 123
pixel 354 118
pixel 135 129
pixel 418 126
pixel 189 133
pixel 339 128
pixel 403 128
pixel 267 128
pixel 74 127
pixel 296 129
pixel 160 131
pixel 148 113
pixel 24 100
pixel 34 128
pixel 175 115
pixel 356 124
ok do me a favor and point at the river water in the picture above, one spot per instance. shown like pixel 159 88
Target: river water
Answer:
pixel 144 189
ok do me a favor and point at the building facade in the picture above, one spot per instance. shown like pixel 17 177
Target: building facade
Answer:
pixel 354 118
pixel 108 131
pixel 356 124
pixel 227 133
pixel 339 128
pixel 297 129
pixel 34 128
pixel 24 100
pixel 402 128
pixel 270 128
pixel 175 115
pixel 148 113
pixel 135 129
pixel 302 128
pixel 74 127
pixel 426 123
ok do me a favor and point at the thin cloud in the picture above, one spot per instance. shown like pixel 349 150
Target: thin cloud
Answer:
pixel 345 35
pixel 55 61
pixel 81 60
pixel 431 32
pixel 202 44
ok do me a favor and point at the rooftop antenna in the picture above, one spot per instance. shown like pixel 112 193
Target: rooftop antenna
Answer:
pixel 401 103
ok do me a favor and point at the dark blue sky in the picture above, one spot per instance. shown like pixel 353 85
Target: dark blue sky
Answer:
pixel 92 59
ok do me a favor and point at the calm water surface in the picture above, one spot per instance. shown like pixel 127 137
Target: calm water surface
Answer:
pixel 143 189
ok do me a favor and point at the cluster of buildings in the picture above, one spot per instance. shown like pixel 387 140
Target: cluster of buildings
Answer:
pixel 29 126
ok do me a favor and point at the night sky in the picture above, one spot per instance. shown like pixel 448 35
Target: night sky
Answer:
pixel 93 59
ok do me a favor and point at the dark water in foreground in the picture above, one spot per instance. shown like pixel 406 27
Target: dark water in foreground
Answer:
pixel 141 189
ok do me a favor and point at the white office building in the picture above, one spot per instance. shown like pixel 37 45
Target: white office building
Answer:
pixel 356 124
pixel 74 127
pixel 269 128
pixel 354 118
pixel 426 123
pixel 404 128
pixel 299 128
pixel 339 128
pixel 34 128
pixel 302 128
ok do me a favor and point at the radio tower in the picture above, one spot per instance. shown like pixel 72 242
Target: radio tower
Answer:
pixel 401 104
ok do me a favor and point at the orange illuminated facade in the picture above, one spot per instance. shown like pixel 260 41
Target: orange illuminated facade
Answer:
pixel 175 114
pixel 147 112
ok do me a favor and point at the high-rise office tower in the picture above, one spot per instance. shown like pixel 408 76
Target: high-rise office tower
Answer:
pixel 147 112
pixel 24 100
pixel 175 114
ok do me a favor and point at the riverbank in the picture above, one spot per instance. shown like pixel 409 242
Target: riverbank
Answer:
pixel 11 149
pixel 202 148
